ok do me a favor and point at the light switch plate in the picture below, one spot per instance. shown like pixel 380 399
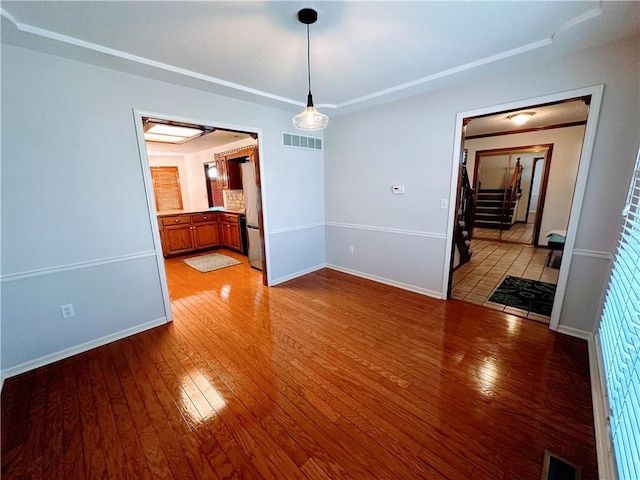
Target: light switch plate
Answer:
pixel 397 189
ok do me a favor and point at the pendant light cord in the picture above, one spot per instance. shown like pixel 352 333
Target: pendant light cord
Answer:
pixel 308 60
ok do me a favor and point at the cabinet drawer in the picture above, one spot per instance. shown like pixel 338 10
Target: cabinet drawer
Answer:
pixel 175 220
pixel 228 217
pixel 204 217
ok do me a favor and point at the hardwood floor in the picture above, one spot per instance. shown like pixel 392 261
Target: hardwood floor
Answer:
pixel 328 376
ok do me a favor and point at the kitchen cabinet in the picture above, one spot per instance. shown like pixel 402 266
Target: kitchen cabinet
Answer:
pixel 189 232
pixel 205 230
pixel 230 234
pixel 176 236
pixel 229 174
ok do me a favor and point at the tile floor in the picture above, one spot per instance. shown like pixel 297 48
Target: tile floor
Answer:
pixel 519 232
pixel 476 280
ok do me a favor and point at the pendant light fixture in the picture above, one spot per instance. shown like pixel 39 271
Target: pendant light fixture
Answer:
pixel 309 118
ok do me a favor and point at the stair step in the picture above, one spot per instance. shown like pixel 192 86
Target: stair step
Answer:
pixel 490 210
pixel 490 196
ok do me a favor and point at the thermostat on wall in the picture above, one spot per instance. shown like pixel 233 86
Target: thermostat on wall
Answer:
pixel 397 189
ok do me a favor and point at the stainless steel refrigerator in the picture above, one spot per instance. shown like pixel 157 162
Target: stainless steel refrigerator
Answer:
pixel 249 188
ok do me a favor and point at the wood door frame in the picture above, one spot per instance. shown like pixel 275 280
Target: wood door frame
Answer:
pixel 208 184
pixel 595 93
pixel 548 148
pixel 151 207
pixel 533 176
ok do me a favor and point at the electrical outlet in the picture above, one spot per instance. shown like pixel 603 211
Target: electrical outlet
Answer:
pixel 350 248
pixel 67 310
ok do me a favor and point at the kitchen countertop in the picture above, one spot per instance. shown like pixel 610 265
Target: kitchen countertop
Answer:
pixel 167 213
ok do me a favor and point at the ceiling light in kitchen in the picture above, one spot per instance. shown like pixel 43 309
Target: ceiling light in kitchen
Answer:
pixel 521 118
pixel 164 133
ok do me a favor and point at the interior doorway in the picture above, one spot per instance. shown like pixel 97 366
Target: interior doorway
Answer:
pixel 463 194
pixel 199 230
pixel 510 187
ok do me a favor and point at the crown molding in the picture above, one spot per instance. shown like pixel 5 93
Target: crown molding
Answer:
pixel 41 32
pixel 23 27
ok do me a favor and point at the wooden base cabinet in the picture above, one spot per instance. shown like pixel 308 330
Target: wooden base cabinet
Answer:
pixel 197 231
pixel 205 231
pixel 230 231
pixel 176 235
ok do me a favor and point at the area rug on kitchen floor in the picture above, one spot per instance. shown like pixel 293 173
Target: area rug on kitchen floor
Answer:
pixel 525 294
pixel 213 261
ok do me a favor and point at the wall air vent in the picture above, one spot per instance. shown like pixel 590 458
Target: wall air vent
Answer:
pixel 301 141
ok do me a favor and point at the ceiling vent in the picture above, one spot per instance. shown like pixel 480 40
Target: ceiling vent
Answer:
pixel 301 141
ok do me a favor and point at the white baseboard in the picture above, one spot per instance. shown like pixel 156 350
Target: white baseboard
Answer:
pixel 575 332
pixel 300 273
pixel 598 399
pixel 604 454
pixel 386 281
pixel 76 349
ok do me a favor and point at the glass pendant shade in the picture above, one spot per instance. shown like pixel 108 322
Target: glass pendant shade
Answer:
pixel 310 118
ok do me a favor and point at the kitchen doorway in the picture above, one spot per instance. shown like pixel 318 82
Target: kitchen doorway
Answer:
pixel 197 230
pixel 461 220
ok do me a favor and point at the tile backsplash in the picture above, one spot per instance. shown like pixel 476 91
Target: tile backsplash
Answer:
pixel 233 199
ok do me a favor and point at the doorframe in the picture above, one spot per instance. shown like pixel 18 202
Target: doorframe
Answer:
pixel 542 197
pixel 536 160
pixel 151 207
pixel 595 92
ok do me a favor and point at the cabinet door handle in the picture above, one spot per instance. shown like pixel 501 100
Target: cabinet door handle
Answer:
pixel 177 220
pixel 206 218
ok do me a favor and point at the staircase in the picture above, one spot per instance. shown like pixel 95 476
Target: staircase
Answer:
pixel 465 216
pixel 491 211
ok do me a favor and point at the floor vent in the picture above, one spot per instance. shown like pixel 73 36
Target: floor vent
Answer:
pixel 301 141
pixel 556 468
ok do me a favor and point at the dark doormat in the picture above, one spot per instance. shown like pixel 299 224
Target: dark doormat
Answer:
pixel 525 294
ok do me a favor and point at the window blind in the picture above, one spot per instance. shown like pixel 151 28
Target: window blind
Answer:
pixel 166 187
pixel 620 339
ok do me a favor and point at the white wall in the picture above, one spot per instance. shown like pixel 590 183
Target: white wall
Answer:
pixel 401 238
pixel 194 165
pixel 197 191
pixel 75 224
pixel 493 172
pixel 567 146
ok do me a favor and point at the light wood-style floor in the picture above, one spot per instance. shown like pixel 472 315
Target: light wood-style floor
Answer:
pixel 328 376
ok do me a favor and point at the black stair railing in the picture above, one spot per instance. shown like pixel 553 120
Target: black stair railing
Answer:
pixel 465 217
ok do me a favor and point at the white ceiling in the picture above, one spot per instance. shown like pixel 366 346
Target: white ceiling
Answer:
pixel 361 52
pixel 205 142
pixel 562 113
